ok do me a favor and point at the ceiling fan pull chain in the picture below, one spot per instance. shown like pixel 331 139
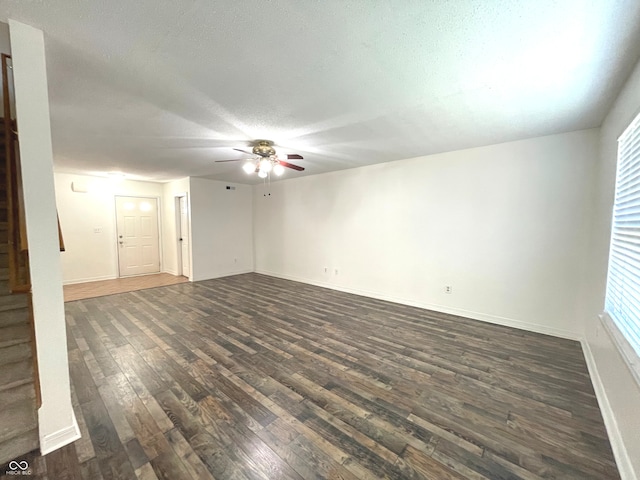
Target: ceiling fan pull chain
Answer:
pixel 264 185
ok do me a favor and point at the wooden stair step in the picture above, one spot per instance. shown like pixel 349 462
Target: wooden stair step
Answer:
pixel 23 382
pixel 19 393
pixel 9 302
pixel 4 263
pixel 13 301
pixel 19 445
pixel 13 335
pixel 16 316
pixel 16 373
pixel 4 278
pixel 15 353
pixel 17 418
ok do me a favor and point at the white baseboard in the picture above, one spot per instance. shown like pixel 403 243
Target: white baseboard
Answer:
pixel 89 279
pixel 617 445
pixel 62 437
pixel 171 272
pixel 483 317
pixel 221 275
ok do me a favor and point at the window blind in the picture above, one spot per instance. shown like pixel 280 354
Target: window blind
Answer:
pixel 623 280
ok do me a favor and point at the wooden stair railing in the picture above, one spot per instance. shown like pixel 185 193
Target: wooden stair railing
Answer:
pixel 60 238
pixel 19 280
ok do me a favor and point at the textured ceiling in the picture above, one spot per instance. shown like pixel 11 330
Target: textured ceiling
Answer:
pixel 161 89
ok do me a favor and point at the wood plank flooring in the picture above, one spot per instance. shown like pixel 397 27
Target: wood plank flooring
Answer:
pixel 252 377
pixel 80 291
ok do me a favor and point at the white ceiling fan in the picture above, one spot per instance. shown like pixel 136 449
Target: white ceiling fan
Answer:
pixel 265 160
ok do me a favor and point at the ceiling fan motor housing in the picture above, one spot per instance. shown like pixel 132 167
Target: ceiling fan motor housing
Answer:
pixel 264 148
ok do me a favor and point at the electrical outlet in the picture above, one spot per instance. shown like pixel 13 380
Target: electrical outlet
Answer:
pixel 326 270
pixel 97 229
pixel 335 272
pixel 448 289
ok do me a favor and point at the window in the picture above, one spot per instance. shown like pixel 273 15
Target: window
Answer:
pixel 623 281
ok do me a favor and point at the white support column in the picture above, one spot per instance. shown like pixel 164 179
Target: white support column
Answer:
pixel 57 421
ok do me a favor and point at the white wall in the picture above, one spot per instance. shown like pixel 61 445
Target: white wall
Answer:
pixel 91 256
pixel 170 238
pixel 504 225
pixel 57 424
pixel 221 225
pixel 619 393
pixel 221 229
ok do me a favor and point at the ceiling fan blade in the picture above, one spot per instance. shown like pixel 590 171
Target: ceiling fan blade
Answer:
pixel 233 160
pixel 294 156
pixel 243 151
pixel 291 165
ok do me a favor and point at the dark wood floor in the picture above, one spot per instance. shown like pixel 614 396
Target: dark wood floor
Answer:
pixel 250 377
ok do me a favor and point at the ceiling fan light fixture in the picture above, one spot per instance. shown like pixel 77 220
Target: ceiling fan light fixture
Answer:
pixel 266 160
pixel 265 165
pixel 249 167
pixel 278 169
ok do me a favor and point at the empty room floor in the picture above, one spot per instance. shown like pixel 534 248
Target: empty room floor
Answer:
pixel 252 377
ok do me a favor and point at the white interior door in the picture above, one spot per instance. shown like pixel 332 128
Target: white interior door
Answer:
pixel 137 230
pixel 184 236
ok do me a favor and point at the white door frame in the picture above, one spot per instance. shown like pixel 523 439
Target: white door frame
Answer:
pixel 115 231
pixel 178 220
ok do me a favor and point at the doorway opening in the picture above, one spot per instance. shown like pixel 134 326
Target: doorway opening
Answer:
pixel 182 231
